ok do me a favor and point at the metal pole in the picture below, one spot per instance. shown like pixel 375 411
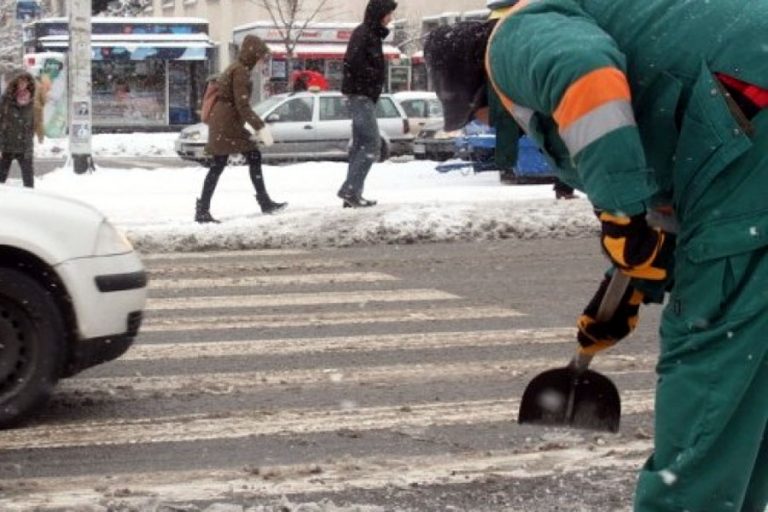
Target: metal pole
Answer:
pixel 80 122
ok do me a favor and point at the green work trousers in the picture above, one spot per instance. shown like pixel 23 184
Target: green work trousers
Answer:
pixel 711 437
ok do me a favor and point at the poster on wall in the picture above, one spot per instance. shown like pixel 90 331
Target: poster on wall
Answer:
pixel 49 70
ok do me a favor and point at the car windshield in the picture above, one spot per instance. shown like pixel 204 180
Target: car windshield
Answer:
pixel 266 105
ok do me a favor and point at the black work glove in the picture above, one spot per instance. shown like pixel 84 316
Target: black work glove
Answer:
pixel 595 336
pixel 636 248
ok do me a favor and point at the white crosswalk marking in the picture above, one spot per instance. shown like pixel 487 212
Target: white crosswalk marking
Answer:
pixel 296 299
pixel 347 344
pixel 143 387
pixel 207 255
pixel 248 266
pixel 206 371
pixel 243 424
pixel 282 280
pixel 184 323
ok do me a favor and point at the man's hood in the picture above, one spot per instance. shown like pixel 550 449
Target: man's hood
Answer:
pixel 376 10
pixel 251 51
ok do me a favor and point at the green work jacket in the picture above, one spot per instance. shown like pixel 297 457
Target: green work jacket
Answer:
pixel 622 96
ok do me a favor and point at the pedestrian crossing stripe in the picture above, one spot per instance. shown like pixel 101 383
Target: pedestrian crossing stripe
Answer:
pixel 181 323
pixel 347 344
pixel 276 280
pixel 169 267
pixel 297 299
pixel 243 424
pixel 146 387
pixel 222 255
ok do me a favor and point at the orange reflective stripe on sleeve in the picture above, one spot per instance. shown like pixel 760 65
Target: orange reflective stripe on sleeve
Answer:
pixel 593 106
pixel 589 92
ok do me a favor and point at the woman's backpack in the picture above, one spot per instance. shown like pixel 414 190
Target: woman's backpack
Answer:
pixel 209 100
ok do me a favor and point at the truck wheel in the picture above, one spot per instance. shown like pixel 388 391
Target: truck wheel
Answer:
pixel 31 345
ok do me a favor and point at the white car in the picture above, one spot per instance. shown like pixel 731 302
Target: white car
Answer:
pixel 421 107
pixel 72 292
pixel 309 126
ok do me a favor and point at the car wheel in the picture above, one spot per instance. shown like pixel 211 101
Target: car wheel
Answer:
pixel 384 152
pixel 31 345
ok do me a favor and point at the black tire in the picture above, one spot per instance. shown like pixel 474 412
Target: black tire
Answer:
pixel 32 337
pixel 383 152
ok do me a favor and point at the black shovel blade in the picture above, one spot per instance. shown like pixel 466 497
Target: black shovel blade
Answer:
pixel 565 397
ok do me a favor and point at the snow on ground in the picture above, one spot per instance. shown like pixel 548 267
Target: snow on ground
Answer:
pixel 416 203
pixel 115 145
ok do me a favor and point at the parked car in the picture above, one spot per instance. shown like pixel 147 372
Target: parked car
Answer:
pixel 72 292
pixel 421 107
pixel 434 143
pixel 309 126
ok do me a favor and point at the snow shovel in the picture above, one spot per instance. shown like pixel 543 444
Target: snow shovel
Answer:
pixel 575 396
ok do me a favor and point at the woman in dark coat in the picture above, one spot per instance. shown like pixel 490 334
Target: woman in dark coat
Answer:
pixel 17 127
pixel 226 129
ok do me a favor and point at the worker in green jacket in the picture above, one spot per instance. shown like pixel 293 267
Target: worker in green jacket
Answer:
pixel 653 105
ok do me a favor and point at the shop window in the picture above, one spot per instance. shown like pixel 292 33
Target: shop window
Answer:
pixel 334 109
pixel 129 93
pixel 334 72
pixel 315 65
pixel 420 80
pixel 297 110
pixel 186 84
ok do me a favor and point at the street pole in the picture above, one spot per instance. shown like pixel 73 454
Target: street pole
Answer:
pixel 80 85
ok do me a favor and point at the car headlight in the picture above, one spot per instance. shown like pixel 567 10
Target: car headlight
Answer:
pixel 191 135
pixel 110 240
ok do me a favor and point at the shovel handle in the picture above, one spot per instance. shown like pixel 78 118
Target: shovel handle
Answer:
pixel 608 305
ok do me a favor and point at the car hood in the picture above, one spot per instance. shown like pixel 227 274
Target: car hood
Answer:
pixel 53 227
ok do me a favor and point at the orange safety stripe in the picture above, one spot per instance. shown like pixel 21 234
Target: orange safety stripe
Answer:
pixel 590 92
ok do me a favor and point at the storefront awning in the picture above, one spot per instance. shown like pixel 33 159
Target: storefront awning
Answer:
pixel 323 50
pixel 128 48
pixel 418 57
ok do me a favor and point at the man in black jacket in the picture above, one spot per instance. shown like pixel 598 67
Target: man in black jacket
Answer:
pixel 364 74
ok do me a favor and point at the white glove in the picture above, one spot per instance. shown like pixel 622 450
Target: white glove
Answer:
pixel 265 136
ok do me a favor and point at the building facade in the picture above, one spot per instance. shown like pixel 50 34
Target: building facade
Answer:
pixel 224 16
pixel 175 97
pixel 147 73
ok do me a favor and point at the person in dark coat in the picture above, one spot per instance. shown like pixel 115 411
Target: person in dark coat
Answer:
pixel 17 127
pixel 365 71
pixel 227 134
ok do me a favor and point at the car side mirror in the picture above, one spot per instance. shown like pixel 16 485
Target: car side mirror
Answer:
pixel 273 118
